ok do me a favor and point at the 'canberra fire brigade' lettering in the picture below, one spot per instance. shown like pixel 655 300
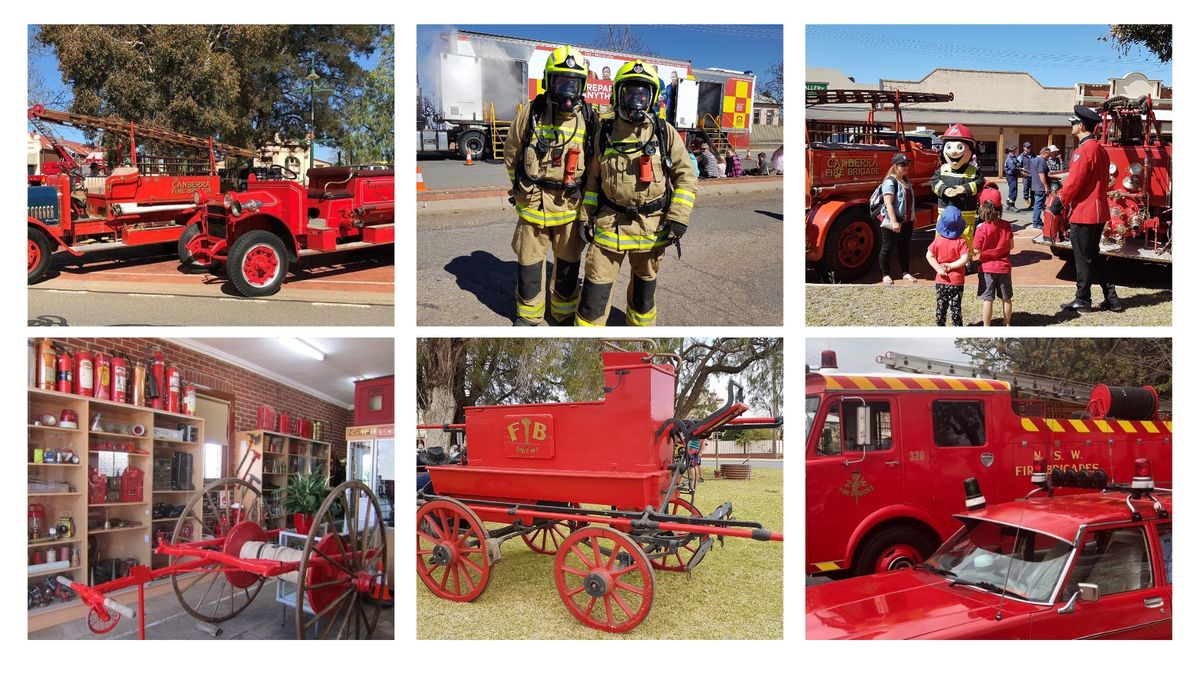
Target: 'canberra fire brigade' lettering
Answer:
pixel 838 168
pixel 181 186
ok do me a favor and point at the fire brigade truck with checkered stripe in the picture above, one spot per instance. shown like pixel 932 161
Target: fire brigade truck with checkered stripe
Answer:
pixel 482 80
pixel 887 454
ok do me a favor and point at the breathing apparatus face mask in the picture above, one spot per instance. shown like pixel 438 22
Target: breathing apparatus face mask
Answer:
pixel 634 102
pixel 565 91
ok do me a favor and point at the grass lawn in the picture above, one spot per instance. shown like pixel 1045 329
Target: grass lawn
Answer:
pixel 735 593
pixel 908 305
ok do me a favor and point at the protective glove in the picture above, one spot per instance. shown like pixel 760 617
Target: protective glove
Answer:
pixel 1055 207
pixel 677 229
pixel 587 230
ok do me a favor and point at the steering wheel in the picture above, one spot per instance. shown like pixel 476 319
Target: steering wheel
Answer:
pixel 289 173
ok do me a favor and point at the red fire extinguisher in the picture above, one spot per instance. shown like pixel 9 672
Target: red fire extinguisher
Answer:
pixel 84 373
pixel 65 372
pixel 120 378
pixel 174 389
pixel 189 400
pixel 103 376
pixel 156 393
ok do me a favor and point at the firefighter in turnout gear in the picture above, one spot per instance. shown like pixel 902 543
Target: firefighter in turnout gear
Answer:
pixel 639 198
pixel 957 181
pixel 546 153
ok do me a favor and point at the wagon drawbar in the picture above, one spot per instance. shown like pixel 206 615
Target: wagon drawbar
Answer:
pixel 532 467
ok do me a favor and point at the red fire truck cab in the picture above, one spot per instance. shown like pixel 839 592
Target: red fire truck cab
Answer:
pixel 1088 565
pixel 887 454
pixel 257 232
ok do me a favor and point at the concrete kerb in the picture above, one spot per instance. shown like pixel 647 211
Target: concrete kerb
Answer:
pixel 495 198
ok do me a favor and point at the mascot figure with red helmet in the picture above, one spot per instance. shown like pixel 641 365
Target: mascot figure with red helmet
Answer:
pixel 957 182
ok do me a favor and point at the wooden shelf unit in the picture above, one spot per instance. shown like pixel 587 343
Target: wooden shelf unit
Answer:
pixel 283 455
pixel 136 541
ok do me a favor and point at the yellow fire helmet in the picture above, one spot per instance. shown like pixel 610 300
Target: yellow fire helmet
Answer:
pixel 565 77
pixel 645 76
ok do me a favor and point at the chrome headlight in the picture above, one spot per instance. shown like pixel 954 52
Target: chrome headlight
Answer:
pixel 197 198
pixel 234 206
pixel 227 201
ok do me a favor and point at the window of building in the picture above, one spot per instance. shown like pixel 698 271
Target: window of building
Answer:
pixel 959 424
pixel 770 117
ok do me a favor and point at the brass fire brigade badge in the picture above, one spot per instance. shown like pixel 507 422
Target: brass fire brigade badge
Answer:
pixel 529 436
pixel 856 486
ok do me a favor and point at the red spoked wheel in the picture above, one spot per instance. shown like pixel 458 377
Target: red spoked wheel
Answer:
pixel 604 579
pixel 898 557
pixel 258 262
pixel 677 560
pixel 260 265
pixel 452 556
pixel 100 626
pixel 547 538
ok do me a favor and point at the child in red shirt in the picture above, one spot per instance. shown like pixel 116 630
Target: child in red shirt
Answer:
pixel 993 244
pixel 948 256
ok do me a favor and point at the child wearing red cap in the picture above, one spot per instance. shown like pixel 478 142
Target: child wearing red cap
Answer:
pixel 992 246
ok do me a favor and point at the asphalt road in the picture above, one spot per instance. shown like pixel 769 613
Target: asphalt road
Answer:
pixel 731 272
pixel 99 308
pixel 147 286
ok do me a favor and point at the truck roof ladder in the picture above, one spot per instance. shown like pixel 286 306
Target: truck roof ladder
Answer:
pixel 871 97
pixel 1047 387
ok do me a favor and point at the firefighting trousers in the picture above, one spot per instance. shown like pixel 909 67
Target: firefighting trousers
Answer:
pixel 530 243
pixel 600 274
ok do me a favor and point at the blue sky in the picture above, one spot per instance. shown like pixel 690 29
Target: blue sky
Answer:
pixel 735 47
pixel 46 64
pixel 1057 56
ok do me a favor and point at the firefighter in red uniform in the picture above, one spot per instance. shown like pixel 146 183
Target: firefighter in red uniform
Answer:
pixel 1085 193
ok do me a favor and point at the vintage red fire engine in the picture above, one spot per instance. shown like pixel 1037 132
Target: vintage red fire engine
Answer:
pixel 845 161
pixel 152 200
pixel 1139 185
pixel 258 232
pixel 1091 564
pixel 531 467
pixel 886 455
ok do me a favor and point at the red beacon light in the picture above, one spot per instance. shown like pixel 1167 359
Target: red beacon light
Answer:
pixel 1039 472
pixel 1143 479
pixel 829 360
pixel 975 498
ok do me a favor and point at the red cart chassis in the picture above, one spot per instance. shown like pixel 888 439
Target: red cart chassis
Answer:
pixel 628 451
pixel 339 573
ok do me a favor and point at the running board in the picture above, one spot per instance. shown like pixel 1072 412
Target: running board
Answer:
pixel 341 247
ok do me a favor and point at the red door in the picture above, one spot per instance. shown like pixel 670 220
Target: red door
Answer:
pixel 1135 600
pixel 853 469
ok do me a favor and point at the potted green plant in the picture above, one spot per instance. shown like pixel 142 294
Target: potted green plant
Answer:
pixel 302 496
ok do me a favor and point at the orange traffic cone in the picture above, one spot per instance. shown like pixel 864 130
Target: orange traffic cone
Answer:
pixel 382 594
pixel 420 180
pixel 469 161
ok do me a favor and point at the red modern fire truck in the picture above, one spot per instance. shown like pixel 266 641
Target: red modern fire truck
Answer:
pixel 887 454
pixel 258 232
pixel 1139 185
pixel 483 79
pixel 1093 564
pixel 844 162
pixel 152 200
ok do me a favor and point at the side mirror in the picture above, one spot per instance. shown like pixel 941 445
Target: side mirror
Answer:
pixel 863 427
pixel 1089 592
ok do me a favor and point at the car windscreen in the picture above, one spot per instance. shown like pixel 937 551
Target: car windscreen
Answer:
pixel 1003 560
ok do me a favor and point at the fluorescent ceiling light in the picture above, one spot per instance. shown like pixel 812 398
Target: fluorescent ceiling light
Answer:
pixel 304 348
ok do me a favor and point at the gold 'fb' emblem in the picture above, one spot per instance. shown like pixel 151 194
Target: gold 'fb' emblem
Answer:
pixel 529 436
pixel 531 431
pixel 856 486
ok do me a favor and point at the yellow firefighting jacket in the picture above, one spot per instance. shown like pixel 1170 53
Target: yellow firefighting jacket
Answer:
pixel 613 183
pixel 540 204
